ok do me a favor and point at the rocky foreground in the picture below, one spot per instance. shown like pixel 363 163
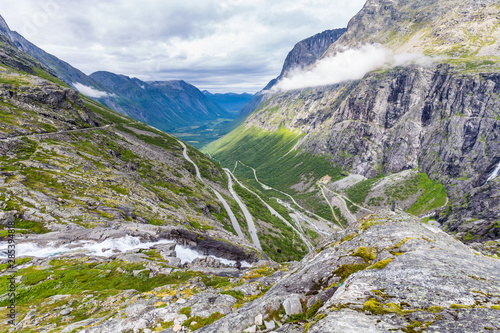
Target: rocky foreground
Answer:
pixel 392 273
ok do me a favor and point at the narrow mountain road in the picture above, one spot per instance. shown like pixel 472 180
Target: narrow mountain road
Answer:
pixel 267 187
pixel 274 212
pixel 184 153
pixel 344 199
pixel 299 217
pixel 248 216
pixel 339 201
pixel 234 222
pixel 330 204
pixel 35 135
pixel 434 211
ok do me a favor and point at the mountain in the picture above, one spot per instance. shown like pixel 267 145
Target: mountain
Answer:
pixel 110 225
pixel 101 204
pixel 303 54
pixel 307 51
pixel 166 105
pixel 230 101
pixel 59 68
pixel 422 132
pixel 172 105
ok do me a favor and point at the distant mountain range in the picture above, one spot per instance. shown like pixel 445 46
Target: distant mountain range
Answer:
pixel 230 101
pixel 167 105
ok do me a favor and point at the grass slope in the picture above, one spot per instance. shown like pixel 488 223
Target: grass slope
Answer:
pixel 276 162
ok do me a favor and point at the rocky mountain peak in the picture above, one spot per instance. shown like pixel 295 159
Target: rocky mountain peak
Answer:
pixel 435 27
pixel 4 27
pixel 307 51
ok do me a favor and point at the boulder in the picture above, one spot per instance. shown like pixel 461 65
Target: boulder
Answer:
pixel 292 305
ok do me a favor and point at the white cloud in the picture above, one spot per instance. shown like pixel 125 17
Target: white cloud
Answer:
pixel 350 64
pixel 224 43
pixel 89 91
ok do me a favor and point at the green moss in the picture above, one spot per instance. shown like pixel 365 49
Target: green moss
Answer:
pixel 349 237
pixel 73 276
pixel 373 306
pixel 370 222
pixel 367 253
pixel 435 309
pixel 202 322
pixel 120 190
pixel 496 307
pixel 345 270
pixel 380 264
pixel 318 317
pixel 36 227
pixel 459 306
pixel 313 309
pixel 155 221
pixel 186 311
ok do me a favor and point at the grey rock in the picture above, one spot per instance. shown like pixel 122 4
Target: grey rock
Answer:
pixel 292 305
pixel 251 329
pixel 139 271
pixel 7 218
pixel 206 303
pixel 66 312
pixel 435 270
pixel 258 320
pixel 270 325
pixel 172 261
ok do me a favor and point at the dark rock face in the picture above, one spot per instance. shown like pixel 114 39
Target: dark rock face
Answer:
pixel 307 51
pixel 208 245
pixel 430 118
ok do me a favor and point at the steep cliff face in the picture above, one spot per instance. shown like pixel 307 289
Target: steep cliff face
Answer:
pixel 441 117
pixel 307 51
pixel 443 124
pixel 455 28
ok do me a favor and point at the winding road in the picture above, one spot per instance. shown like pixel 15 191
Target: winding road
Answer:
pixel 248 216
pixel 234 222
pixel 266 187
pixel 273 211
pixel 34 135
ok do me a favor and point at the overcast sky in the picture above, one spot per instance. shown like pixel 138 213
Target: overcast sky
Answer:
pixel 221 46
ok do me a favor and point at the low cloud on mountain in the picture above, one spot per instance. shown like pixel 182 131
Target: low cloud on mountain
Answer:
pixel 351 64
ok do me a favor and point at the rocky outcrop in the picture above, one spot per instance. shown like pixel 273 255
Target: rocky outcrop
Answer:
pixel 392 273
pixel 435 27
pixel 307 51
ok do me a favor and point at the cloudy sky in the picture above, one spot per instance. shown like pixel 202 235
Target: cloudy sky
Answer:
pixel 221 46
